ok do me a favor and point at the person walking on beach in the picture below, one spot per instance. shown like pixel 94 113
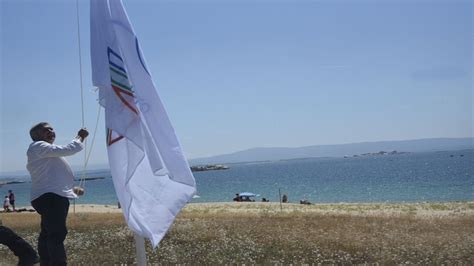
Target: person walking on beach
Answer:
pixel 11 198
pixel 52 183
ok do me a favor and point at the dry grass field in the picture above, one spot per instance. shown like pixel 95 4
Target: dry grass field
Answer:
pixel 262 233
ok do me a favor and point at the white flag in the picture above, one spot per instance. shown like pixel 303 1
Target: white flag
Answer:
pixel 151 176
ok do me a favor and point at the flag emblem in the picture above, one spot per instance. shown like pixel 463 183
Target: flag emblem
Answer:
pixel 119 78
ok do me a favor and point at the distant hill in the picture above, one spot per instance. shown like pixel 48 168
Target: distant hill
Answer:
pixel 339 150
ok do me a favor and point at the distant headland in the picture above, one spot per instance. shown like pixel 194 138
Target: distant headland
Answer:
pixel 380 153
pixel 4 182
pixel 339 150
pixel 209 167
pixel 89 178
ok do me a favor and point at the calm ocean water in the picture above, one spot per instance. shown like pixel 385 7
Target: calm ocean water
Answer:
pixel 437 176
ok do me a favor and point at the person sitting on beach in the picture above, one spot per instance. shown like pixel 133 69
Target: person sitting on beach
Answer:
pixel 6 204
pixel 52 183
pixel 265 200
pixel 237 197
pixel 305 201
pixel 284 199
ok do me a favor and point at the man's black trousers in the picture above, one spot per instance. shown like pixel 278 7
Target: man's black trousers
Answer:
pixel 53 210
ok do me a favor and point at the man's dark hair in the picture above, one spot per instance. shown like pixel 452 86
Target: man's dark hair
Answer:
pixel 35 130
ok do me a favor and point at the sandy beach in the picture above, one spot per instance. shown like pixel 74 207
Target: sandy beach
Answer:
pixel 358 209
pixel 94 208
pixel 420 209
pixel 262 233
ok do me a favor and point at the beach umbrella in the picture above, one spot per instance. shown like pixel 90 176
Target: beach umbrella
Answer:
pixel 247 194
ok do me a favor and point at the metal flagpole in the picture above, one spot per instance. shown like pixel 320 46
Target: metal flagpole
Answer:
pixel 140 249
pixel 279 196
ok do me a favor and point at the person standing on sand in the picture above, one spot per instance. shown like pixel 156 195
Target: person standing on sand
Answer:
pixel 6 204
pixel 11 198
pixel 52 183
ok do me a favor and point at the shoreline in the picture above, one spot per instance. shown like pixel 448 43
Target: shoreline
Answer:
pixel 424 209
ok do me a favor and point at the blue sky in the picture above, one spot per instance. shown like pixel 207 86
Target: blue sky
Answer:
pixel 240 74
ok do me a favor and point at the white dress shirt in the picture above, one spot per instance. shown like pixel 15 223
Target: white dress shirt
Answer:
pixel 49 171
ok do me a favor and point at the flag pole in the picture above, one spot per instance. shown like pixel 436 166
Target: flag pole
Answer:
pixel 279 196
pixel 140 249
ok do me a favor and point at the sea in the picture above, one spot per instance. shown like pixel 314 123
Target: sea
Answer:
pixel 406 177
